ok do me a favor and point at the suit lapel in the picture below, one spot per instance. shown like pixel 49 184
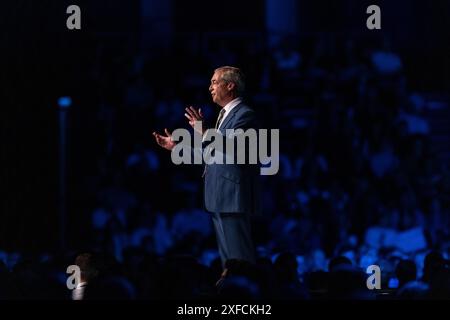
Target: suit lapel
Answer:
pixel 229 117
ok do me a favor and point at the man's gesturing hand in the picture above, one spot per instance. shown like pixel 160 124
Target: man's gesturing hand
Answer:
pixel 193 117
pixel 165 141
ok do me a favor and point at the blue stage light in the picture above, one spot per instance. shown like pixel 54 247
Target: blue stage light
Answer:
pixel 65 102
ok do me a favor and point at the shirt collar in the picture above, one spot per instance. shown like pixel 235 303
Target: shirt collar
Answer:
pixel 230 105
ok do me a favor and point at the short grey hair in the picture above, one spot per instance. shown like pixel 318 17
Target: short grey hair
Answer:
pixel 234 75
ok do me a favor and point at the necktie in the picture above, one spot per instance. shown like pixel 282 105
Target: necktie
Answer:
pixel 222 112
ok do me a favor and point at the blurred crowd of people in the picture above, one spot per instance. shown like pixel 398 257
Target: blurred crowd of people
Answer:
pixel 142 275
pixel 359 182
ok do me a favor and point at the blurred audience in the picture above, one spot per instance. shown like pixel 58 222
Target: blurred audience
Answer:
pixel 359 184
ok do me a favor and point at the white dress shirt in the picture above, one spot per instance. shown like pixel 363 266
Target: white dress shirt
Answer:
pixel 230 105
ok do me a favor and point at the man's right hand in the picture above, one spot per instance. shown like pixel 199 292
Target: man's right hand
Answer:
pixel 165 141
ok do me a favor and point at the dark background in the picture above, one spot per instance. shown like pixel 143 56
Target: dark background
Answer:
pixel 170 48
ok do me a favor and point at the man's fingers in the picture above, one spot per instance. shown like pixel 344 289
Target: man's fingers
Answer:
pixel 194 113
pixel 157 138
pixel 167 132
pixel 197 115
pixel 191 114
pixel 189 117
pixel 189 111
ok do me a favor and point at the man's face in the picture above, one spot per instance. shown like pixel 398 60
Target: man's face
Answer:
pixel 221 92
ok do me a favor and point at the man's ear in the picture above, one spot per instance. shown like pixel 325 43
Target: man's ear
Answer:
pixel 231 86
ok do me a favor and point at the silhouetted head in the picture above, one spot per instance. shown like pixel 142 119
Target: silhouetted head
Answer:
pixel 286 266
pixel 414 290
pixel 88 266
pixel 405 271
pixel 338 262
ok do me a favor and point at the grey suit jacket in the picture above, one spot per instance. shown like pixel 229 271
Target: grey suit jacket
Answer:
pixel 234 188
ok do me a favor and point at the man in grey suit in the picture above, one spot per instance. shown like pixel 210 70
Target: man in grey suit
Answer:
pixel 231 191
